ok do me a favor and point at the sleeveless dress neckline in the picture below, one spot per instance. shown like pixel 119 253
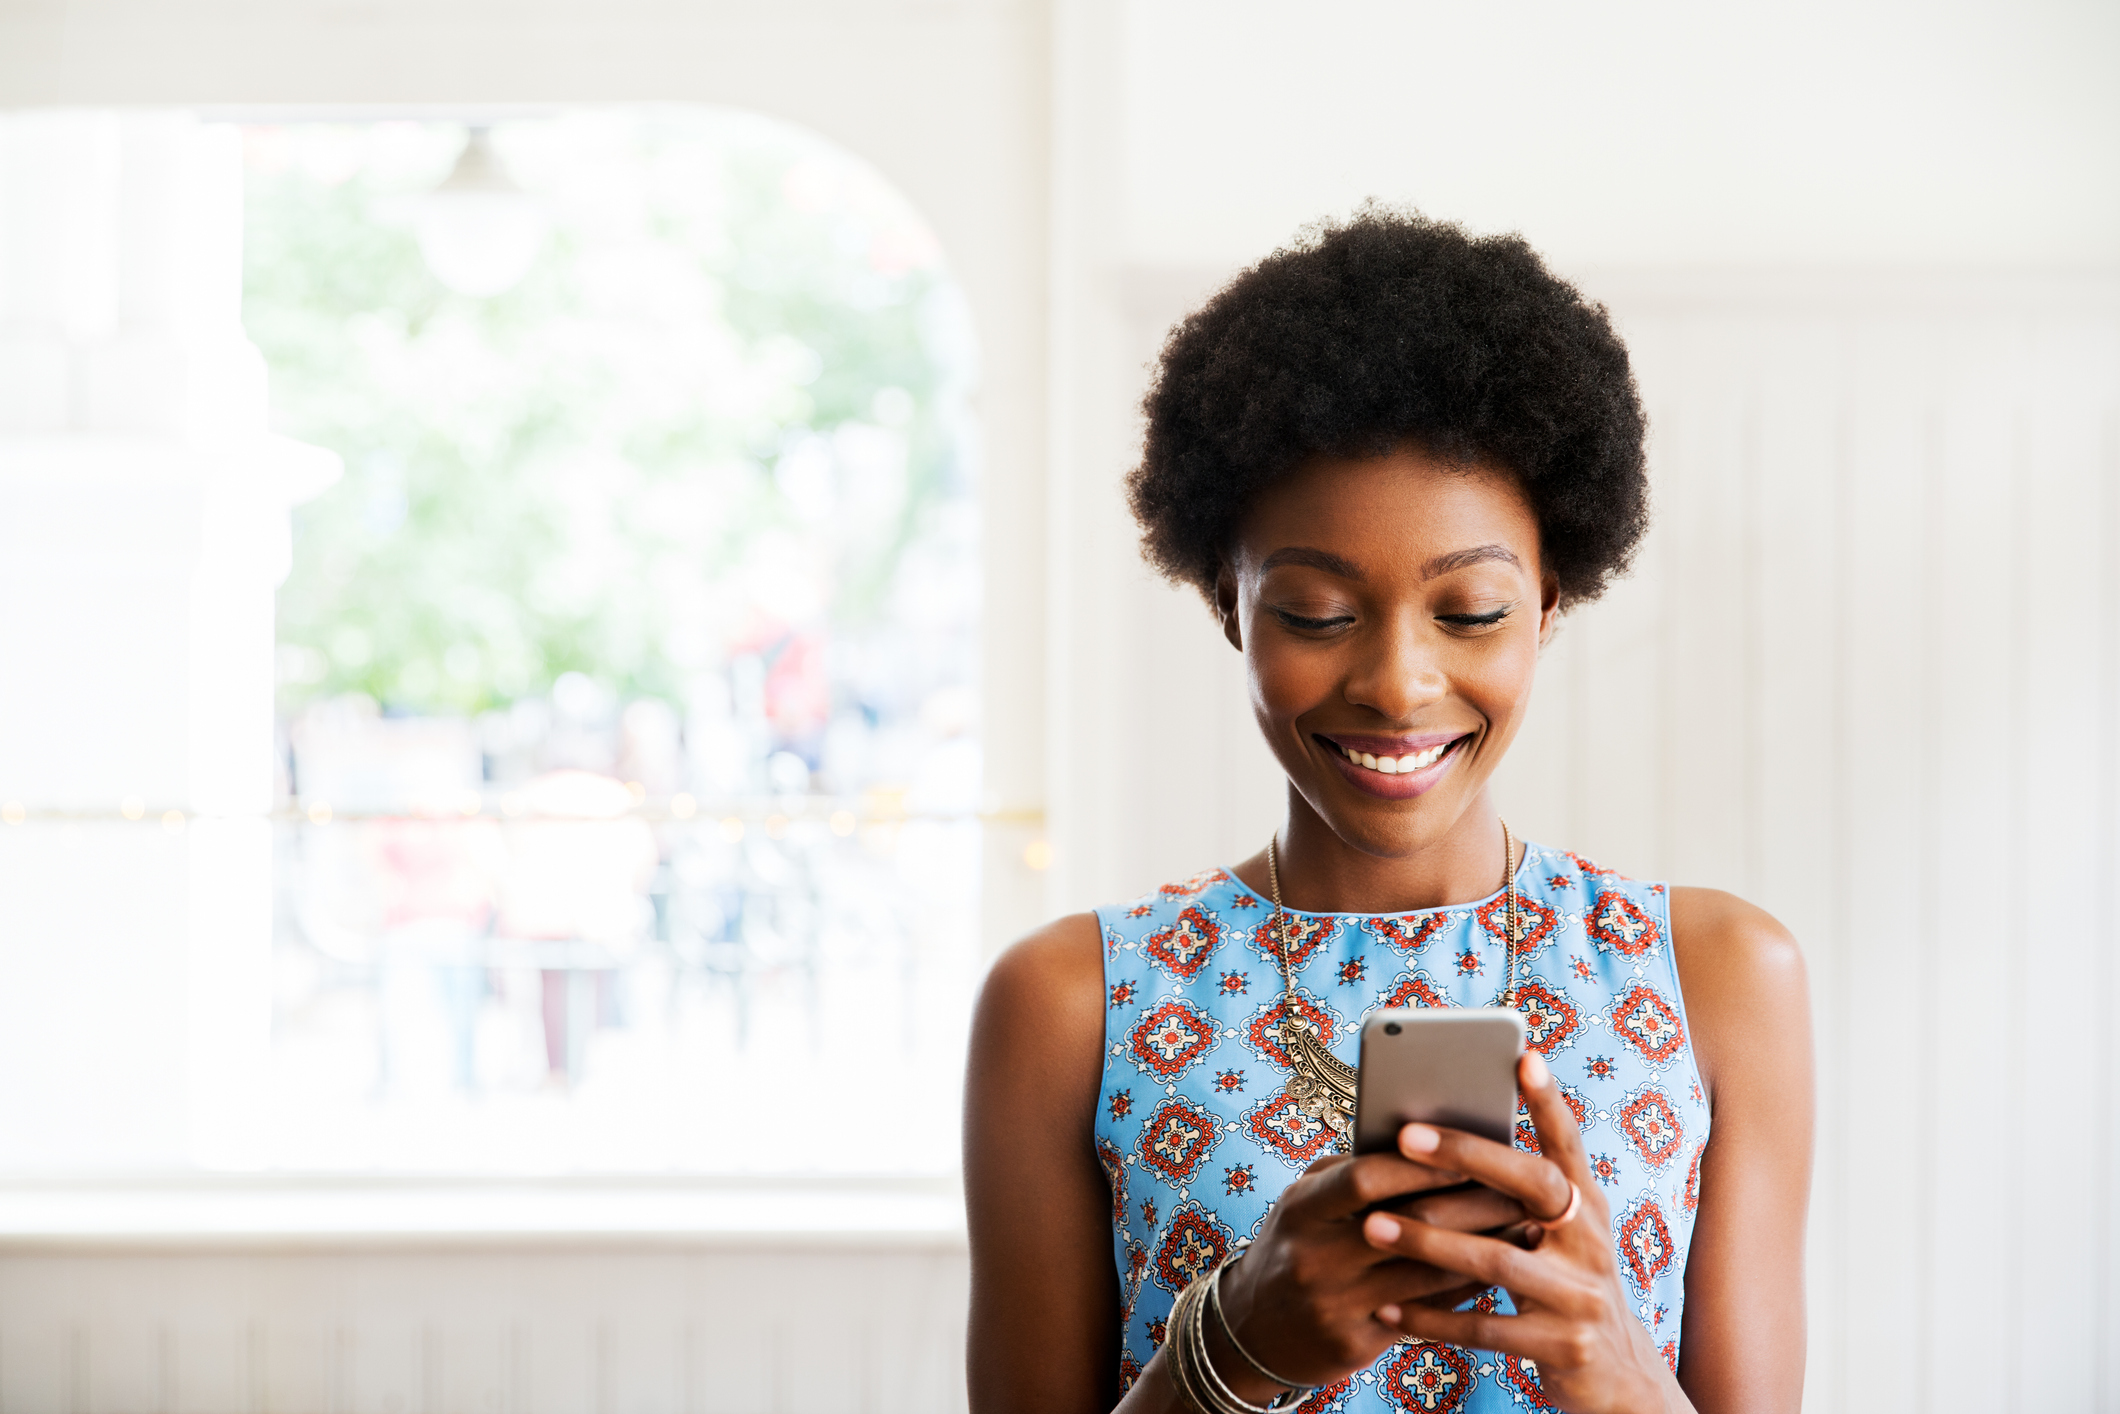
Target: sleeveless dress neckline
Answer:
pixel 1522 864
pixel 1197 1140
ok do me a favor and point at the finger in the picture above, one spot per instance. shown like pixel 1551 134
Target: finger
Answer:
pixel 1539 1185
pixel 1484 1259
pixel 1560 1138
pixel 1363 1182
pixel 1452 1297
pixel 1536 1337
pixel 1402 1283
pixel 1461 1209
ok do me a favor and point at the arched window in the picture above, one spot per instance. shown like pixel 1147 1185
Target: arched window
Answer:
pixel 627 677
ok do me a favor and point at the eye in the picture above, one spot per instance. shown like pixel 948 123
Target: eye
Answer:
pixel 1303 624
pixel 1486 620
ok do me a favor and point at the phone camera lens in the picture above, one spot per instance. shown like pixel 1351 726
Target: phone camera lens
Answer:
pixel 1391 1028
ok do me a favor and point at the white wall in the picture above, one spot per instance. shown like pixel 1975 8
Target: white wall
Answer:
pixel 1869 262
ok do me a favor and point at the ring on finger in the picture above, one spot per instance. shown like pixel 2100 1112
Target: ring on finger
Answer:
pixel 1575 1201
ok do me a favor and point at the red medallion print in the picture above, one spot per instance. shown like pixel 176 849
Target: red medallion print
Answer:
pixel 1592 871
pixel 1184 947
pixel 1578 1105
pixel 1177 1138
pixel 1114 1165
pixel 1644 1244
pixel 1413 989
pixel 1330 1396
pixel 1689 1197
pixel 1651 1126
pixel 1670 1354
pixel 1410 934
pixel 1170 1040
pixel 1520 1378
pixel 1263 1031
pixel 1616 925
pixel 1534 922
pixel 1280 1124
pixel 1649 1024
pixel 1129 1371
pixel 1196 885
pixel 1432 1378
pixel 1305 936
pixel 1194 1245
pixel 1550 1019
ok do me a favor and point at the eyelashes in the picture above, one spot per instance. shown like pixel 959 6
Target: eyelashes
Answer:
pixel 1305 624
pixel 1309 625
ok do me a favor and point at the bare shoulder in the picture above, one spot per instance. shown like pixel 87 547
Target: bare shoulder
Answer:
pixel 1039 1025
pixel 1745 989
pixel 1057 970
pixel 1723 941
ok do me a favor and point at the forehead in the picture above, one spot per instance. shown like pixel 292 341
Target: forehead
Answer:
pixel 1402 509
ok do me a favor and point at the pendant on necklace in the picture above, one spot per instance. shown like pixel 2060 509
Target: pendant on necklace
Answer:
pixel 1323 1085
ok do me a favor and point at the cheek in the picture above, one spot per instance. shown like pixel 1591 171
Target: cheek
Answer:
pixel 1500 682
pixel 1286 682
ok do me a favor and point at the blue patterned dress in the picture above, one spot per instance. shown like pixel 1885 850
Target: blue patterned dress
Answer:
pixel 1197 1140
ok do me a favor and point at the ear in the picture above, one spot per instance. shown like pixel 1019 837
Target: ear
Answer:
pixel 1226 607
pixel 1549 606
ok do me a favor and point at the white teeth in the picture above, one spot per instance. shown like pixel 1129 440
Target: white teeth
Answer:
pixel 1398 765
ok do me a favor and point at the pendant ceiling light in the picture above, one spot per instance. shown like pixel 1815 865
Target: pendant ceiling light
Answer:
pixel 478 230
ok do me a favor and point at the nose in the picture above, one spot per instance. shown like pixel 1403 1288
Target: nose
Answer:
pixel 1397 673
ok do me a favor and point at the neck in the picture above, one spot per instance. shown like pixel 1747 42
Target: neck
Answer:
pixel 1322 873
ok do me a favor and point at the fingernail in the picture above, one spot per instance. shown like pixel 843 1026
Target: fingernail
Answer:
pixel 1418 1139
pixel 1533 1236
pixel 1535 1073
pixel 1389 1315
pixel 1381 1227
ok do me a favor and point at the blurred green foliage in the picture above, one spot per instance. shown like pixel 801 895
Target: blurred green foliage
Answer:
pixel 575 475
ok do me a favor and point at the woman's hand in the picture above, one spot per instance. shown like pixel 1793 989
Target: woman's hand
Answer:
pixel 1573 1317
pixel 1304 1300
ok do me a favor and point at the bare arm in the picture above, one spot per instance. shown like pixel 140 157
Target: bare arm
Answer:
pixel 1746 997
pixel 1045 1293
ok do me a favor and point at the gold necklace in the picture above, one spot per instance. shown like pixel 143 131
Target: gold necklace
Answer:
pixel 1322 1085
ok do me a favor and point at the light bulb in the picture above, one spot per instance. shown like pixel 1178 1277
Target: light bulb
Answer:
pixel 479 231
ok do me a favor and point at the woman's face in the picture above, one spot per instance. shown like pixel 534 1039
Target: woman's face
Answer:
pixel 1390 610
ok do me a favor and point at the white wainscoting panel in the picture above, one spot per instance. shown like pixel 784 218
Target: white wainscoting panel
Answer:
pixel 1866 673
pixel 531 1329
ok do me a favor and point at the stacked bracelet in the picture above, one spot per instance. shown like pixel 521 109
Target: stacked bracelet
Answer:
pixel 1198 1382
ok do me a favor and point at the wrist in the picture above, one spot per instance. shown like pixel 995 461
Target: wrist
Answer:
pixel 1244 1382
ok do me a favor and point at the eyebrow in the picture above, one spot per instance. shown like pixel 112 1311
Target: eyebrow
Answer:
pixel 1459 559
pixel 1346 569
pixel 1317 559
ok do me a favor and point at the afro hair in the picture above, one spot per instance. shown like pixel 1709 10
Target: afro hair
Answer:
pixel 1384 331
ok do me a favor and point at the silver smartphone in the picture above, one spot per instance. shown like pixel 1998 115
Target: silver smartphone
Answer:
pixel 1452 1066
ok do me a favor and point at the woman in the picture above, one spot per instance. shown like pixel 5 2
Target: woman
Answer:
pixel 1390 457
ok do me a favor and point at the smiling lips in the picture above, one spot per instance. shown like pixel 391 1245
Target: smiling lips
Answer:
pixel 1394 767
